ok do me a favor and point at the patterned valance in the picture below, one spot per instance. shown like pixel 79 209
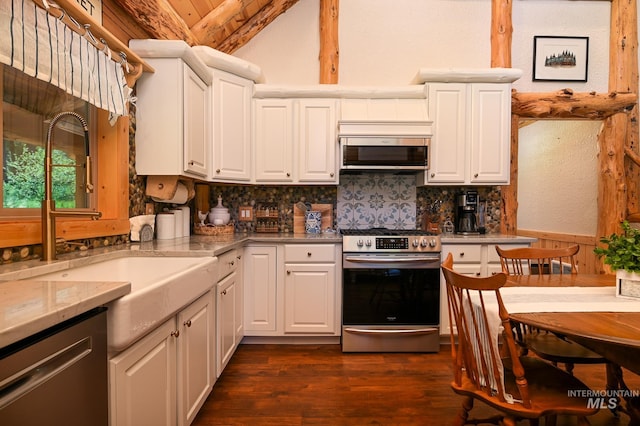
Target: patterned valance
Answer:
pixel 42 46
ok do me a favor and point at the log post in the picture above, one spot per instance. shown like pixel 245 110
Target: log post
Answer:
pixel 618 183
pixel 501 31
pixel 329 51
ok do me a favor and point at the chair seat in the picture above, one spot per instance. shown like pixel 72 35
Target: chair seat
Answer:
pixel 552 348
pixel 547 386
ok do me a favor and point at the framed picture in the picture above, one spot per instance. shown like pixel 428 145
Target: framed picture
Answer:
pixel 557 58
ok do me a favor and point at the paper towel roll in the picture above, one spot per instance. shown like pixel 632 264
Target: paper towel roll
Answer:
pixel 165 226
pixel 186 219
pixel 177 215
pixel 180 197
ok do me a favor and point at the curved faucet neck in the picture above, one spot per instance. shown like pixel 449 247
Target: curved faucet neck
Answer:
pixel 48 150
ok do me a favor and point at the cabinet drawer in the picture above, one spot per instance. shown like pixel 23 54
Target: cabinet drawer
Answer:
pixel 309 253
pixel 467 253
pixel 227 263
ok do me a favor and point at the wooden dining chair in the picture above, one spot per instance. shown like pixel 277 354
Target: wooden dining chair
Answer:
pixel 518 387
pixel 535 260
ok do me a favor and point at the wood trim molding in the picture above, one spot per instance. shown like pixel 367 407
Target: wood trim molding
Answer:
pixel 567 238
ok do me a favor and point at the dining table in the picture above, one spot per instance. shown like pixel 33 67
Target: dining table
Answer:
pixel 583 308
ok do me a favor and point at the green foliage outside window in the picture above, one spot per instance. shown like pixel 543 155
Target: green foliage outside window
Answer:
pixel 24 177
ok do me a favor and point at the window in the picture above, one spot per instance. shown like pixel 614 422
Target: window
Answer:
pixel 29 105
pixel 25 102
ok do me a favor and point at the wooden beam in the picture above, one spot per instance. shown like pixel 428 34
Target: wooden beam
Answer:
pixel 205 30
pixel 501 32
pixel 253 26
pixel 159 19
pixel 329 51
pixel 564 104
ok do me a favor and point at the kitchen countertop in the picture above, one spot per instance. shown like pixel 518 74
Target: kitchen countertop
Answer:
pixel 28 305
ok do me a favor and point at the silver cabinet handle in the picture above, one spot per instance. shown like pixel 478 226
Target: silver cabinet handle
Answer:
pixel 187 323
pixel 175 333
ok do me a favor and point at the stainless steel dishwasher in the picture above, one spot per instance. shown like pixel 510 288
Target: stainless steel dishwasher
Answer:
pixel 57 377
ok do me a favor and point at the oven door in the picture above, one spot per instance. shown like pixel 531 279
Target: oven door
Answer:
pixel 391 303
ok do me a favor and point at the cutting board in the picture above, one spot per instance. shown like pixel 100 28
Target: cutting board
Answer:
pixel 298 217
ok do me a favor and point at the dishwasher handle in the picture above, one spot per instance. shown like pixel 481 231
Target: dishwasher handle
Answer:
pixel 29 378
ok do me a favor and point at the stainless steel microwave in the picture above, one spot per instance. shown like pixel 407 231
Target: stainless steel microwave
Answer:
pixel 384 153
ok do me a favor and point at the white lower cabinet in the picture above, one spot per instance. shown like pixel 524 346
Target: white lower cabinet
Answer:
pixel 164 378
pixel 229 299
pixel 292 290
pixel 476 259
pixel 260 289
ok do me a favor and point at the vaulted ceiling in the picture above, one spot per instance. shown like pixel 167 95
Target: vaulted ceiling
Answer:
pixel 225 25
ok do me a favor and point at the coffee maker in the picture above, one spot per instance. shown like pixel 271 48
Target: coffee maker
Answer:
pixel 466 213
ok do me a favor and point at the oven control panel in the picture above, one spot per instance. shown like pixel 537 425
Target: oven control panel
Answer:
pixel 389 243
pixel 392 244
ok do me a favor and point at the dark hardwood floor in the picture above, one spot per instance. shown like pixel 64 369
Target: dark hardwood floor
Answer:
pixel 319 385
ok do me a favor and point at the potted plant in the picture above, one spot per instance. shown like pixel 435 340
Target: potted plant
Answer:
pixel 622 254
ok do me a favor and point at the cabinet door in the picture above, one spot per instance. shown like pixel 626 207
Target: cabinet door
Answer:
pixel 195 357
pixel 142 381
pixel 490 133
pixel 260 289
pixel 196 127
pixel 225 314
pixel 317 140
pixel 273 134
pixel 231 127
pixel 309 291
pixel 447 108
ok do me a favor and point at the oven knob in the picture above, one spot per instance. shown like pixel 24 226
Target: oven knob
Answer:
pixel 432 242
pixel 368 243
pixel 423 243
pixel 360 243
pixel 415 243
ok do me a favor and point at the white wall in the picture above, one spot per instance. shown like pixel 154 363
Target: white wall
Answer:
pixel 557 164
pixel 385 42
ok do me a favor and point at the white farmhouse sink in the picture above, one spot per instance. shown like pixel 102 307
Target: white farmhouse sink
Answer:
pixel 160 286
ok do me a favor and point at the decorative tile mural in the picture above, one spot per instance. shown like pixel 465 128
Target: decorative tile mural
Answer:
pixel 376 201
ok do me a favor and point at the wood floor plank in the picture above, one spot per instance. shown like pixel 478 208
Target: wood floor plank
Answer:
pixel 310 385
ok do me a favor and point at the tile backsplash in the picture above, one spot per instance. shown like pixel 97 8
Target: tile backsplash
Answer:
pixel 376 201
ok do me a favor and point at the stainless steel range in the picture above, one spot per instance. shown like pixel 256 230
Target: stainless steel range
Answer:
pixel 390 291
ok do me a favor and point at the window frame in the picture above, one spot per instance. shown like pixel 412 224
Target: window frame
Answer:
pixel 111 187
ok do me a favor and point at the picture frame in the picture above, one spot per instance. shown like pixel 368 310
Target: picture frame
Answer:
pixel 560 58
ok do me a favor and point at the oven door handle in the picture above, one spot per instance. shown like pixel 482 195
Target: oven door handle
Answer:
pixel 357 259
pixel 390 331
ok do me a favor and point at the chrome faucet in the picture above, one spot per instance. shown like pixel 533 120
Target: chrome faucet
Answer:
pixel 48 210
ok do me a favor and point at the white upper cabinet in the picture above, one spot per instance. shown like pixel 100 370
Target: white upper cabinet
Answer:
pixel 273 134
pixel 448 106
pixel 471 134
pixel 471 113
pixel 490 133
pixel 295 139
pixel 317 126
pixel 173 129
pixel 231 97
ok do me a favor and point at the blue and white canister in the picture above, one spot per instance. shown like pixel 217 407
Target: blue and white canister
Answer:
pixel 313 222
